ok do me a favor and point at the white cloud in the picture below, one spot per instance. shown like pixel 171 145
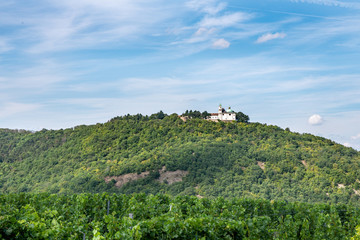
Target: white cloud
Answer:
pixel 315 119
pixel 207 6
pixel 347 144
pixel 270 36
pixel 210 31
pixel 220 44
pixel 204 31
pixel 227 20
pixel 356 137
pixel 201 35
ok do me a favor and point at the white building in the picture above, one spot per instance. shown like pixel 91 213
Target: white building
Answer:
pixel 223 115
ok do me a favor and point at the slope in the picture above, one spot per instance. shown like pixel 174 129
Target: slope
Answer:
pixel 138 154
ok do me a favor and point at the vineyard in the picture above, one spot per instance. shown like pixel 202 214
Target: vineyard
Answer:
pixel 140 216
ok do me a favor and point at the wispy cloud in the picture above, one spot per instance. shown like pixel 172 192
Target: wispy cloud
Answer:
pixel 210 30
pixel 34 78
pixel 334 3
pixel 338 33
pixel 83 24
pixel 356 137
pixel 226 20
pixel 11 108
pixel 4 45
pixel 207 6
pixel 87 24
pixel 220 44
pixel 270 36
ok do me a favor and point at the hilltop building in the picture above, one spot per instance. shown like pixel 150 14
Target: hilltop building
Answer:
pixel 223 115
pixel 227 115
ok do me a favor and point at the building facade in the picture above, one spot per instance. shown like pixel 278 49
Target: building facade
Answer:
pixel 223 115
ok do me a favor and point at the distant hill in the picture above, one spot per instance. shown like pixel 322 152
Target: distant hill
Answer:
pixel 167 155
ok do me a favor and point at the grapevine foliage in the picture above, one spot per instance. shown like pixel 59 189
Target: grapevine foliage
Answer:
pixel 140 216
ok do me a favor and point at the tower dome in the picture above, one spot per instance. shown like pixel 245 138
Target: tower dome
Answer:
pixel 229 110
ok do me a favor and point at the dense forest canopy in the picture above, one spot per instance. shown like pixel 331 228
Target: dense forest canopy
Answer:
pixel 210 159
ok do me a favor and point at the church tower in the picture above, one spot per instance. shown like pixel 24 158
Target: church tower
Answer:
pixel 220 112
pixel 220 109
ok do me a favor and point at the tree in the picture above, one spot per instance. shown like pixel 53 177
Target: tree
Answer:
pixel 241 117
pixel 193 114
pixel 159 115
pixel 205 115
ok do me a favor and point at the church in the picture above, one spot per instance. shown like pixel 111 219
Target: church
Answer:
pixel 223 115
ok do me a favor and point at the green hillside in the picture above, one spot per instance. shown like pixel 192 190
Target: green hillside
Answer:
pixel 167 155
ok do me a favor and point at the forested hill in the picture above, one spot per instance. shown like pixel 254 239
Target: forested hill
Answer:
pixel 197 157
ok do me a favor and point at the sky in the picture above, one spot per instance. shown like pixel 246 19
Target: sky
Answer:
pixel 290 63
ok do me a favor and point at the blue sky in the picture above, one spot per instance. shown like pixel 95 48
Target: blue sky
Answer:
pixel 291 63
